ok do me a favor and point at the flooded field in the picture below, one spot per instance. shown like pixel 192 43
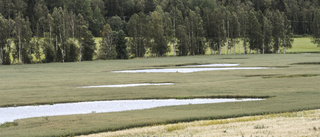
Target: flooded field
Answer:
pixel 12 113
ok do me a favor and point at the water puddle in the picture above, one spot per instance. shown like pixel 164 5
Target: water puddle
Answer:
pixel 128 85
pixel 186 70
pixel 13 113
pixel 213 65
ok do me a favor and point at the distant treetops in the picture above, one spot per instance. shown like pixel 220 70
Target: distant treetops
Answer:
pixel 33 31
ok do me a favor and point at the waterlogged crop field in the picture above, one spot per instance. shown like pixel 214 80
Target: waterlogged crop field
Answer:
pixel 291 82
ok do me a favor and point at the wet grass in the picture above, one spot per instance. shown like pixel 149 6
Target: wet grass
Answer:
pixel 57 82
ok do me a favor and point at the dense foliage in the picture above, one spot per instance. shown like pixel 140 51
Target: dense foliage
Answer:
pixel 191 26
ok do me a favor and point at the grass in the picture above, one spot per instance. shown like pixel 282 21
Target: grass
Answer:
pixel 57 82
pixel 303 45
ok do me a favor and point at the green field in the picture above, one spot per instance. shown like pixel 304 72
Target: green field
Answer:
pixel 291 86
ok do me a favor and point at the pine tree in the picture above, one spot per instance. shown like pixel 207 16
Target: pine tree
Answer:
pixel 121 47
pixel 150 6
pixel 97 22
pixel 254 32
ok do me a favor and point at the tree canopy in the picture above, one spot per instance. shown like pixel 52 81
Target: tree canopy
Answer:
pixel 141 27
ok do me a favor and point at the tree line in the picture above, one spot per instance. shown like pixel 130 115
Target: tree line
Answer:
pixel 34 31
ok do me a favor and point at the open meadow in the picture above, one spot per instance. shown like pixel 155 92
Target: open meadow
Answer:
pixel 291 83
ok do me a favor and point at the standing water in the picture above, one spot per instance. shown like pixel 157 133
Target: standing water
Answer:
pixel 13 113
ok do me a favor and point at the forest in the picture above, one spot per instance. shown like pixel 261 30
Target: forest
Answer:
pixel 43 31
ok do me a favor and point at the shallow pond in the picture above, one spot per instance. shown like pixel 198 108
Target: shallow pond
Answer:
pixel 12 113
pixel 185 70
pixel 128 85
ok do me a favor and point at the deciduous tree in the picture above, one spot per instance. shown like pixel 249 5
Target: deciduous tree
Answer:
pixel 4 36
pixel 107 45
pixel 23 35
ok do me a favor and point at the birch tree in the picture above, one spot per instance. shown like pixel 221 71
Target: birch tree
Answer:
pixel 23 35
pixel 107 44
pixel 138 27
